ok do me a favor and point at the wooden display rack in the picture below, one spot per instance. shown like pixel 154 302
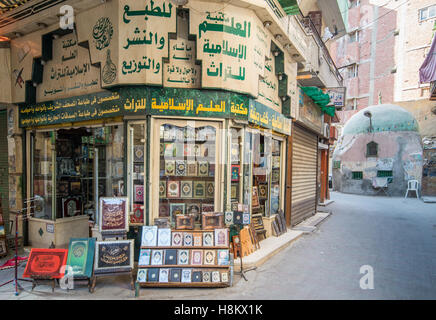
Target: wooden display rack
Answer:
pixel 202 266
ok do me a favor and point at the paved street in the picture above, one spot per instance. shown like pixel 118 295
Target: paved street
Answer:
pixel 397 237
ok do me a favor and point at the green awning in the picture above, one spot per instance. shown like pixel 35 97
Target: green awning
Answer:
pixel 320 98
pixel 290 7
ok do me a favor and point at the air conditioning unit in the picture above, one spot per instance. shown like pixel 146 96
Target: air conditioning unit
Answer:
pixel 326 130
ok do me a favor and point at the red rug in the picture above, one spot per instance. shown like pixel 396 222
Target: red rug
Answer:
pixel 11 263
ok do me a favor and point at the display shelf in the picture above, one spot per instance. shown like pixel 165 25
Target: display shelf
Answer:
pixel 184 266
pixel 185 284
pixel 202 199
pixel 187 247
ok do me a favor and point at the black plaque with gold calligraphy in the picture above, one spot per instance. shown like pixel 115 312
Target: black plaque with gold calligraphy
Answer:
pixel 113 256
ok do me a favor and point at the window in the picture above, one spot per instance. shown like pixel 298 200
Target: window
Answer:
pixel 354 3
pixel 371 149
pixel 357 175
pixel 354 36
pixel 352 71
pixel 384 173
pixel 351 104
pixel 336 164
pixel 427 13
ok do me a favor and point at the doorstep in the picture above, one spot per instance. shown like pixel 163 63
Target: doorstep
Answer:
pixel 427 199
pixel 309 225
pixel 326 203
pixel 268 247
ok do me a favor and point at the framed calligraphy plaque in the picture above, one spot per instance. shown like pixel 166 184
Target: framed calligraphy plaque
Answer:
pixel 46 263
pixel 113 215
pixel 113 256
pixel 81 253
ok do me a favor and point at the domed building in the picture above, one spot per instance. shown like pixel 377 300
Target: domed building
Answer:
pixel 380 148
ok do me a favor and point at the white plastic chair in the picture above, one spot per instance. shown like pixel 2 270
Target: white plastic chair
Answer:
pixel 412 185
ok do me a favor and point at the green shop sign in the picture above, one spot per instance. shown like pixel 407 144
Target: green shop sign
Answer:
pixel 268 118
pixel 139 100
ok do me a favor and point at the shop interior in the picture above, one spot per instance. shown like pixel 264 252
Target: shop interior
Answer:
pixel 82 163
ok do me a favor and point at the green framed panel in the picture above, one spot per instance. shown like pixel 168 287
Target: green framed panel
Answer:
pixel 81 253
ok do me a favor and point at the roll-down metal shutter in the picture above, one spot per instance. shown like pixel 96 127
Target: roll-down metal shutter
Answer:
pixel 304 167
pixel 4 175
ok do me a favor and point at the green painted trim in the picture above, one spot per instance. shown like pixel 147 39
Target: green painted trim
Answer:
pixel 136 100
pixel 147 171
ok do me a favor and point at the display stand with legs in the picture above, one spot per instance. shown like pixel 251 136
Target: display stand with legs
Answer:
pixel 16 279
pixel 98 274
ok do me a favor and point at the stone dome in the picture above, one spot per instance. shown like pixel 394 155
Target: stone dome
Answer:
pixel 385 117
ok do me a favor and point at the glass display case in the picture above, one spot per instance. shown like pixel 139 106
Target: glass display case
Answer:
pixel 136 172
pixel 72 168
pixel 188 168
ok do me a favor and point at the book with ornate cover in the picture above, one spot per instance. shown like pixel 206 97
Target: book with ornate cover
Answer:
pixel 210 189
pixel 186 275
pixel 199 189
pixel 157 257
pixel 149 236
pixel 183 256
pixel 196 257
pixel 186 189
pixel 177 239
pixel 144 257
pixel 223 257
pixel 187 239
pixel 180 167
pixel 171 256
pixel 170 167
pixel 162 189
pixel 192 168
pixel 173 189
pixel 175 274
pixel 209 257
pixel 208 239
pixel 164 274
pixel 203 168
pixel 153 275
pixel 164 237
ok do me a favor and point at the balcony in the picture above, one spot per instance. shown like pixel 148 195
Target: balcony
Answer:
pixel 319 69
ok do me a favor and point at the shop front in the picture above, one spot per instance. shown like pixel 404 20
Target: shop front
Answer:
pixel 162 148
pixel 305 160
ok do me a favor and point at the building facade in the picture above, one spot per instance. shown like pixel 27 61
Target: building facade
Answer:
pixel 380 148
pixel 182 110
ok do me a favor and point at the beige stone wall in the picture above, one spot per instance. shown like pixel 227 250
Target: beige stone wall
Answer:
pixel 5 80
